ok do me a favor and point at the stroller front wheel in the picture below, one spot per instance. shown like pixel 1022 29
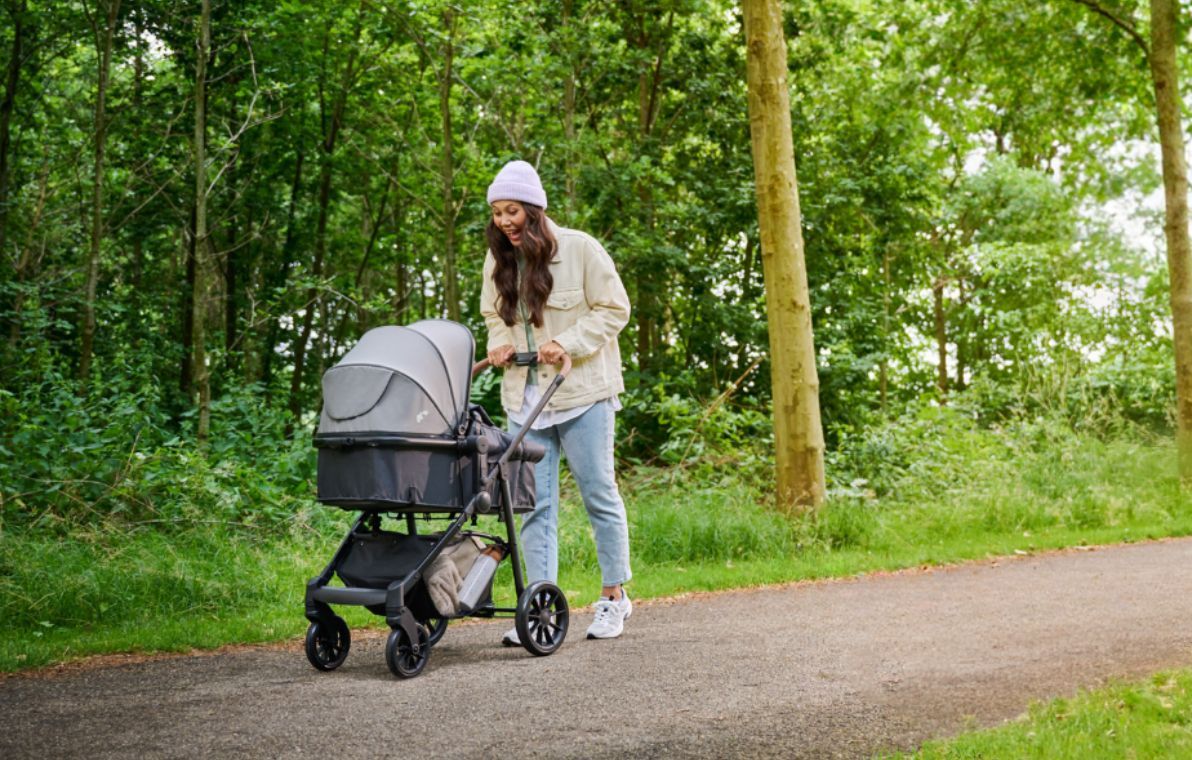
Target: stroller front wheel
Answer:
pixel 327 643
pixel 400 656
pixel 542 617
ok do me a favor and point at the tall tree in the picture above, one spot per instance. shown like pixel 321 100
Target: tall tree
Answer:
pixel 202 373
pixel 1165 75
pixel 19 13
pixel 103 49
pixel 798 434
pixel 1160 54
pixel 447 171
pixel 332 119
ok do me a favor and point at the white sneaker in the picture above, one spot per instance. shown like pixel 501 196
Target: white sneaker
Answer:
pixel 510 638
pixel 610 617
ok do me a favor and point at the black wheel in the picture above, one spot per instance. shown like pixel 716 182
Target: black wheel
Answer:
pixel 542 618
pixel 436 627
pixel 400 656
pixel 327 643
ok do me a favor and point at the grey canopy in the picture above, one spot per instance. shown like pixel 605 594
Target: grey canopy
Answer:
pixel 411 379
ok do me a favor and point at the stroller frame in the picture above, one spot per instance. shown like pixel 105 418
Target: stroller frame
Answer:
pixel 541 613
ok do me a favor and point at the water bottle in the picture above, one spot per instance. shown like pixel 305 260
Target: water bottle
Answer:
pixel 473 589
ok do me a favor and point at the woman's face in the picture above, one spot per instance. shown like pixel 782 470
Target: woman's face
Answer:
pixel 510 218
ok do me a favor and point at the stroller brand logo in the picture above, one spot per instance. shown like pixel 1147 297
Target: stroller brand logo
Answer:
pixel 422 414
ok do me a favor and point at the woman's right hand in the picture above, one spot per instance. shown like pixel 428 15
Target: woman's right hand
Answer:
pixel 501 356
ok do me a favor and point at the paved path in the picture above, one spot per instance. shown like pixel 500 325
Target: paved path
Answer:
pixel 833 669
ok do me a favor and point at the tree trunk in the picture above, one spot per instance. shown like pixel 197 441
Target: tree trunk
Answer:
pixel 185 375
pixel 104 49
pixel 231 299
pixel 27 263
pixel 138 86
pixel 18 13
pixel 570 152
pixel 451 284
pixel 278 280
pixel 202 375
pixel 238 235
pixel 884 365
pixel 649 307
pixel 397 215
pixel 312 293
pixel 331 134
pixel 1164 74
pixel 963 334
pixel 798 434
pixel 941 338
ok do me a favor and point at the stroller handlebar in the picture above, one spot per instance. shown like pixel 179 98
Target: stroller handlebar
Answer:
pixel 528 359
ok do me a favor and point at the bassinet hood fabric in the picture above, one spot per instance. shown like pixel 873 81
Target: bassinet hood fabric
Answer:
pixel 411 379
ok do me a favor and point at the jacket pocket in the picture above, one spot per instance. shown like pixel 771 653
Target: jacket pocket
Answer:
pixel 565 299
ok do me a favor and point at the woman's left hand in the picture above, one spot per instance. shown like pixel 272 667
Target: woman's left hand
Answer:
pixel 551 353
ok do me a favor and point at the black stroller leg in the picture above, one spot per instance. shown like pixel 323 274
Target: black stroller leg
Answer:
pixel 519 578
pixel 315 609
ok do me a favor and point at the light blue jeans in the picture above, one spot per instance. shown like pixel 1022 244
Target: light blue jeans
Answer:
pixel 587 442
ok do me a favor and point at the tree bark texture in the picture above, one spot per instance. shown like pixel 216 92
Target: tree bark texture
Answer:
pixel 884 365
pixel 202 375
pixel 649 307
pixel 104 49
pixel 138 87
pixel 185 375
pixel 941 338
pixel 451 284
pixel 18 13
pixel 798 433
pixel 569 103
pixel 1164 75
pixel 27 263
pixel 277 280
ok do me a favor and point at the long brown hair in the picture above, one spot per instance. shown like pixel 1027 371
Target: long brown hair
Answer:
pixel 538 247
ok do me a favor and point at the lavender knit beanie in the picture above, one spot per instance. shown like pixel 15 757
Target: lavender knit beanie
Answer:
pixel 517 181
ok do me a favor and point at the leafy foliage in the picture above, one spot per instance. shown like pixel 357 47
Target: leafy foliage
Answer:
pixel 969 152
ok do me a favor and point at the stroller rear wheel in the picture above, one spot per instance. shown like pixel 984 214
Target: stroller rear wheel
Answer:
pixel 542 617
pixel 400 656
pixel 327 643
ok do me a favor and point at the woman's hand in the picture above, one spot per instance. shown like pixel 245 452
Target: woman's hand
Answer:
pixel 501 356
pixel 551 353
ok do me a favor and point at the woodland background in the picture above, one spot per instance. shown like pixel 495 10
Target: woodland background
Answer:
pixel 983 237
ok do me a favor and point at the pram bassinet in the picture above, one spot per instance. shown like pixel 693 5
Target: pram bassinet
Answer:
pixel 397 429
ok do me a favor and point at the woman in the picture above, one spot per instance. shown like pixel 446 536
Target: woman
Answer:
pixel 556 292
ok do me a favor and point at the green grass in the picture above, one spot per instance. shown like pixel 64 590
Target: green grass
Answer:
pixel 67 592
pixel 1151 719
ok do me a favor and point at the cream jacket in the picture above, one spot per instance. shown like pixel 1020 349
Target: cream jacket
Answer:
pixel 586 310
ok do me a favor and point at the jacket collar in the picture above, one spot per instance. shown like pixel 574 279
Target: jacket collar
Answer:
pixel 555 230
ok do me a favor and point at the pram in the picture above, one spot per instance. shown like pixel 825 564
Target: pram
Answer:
pixel 398 437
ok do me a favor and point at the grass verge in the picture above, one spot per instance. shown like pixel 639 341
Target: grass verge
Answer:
pixel 1150 719
pixel 68 593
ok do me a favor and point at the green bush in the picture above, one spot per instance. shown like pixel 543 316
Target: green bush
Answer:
pixel 116 454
